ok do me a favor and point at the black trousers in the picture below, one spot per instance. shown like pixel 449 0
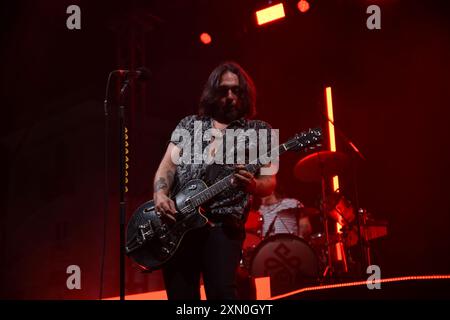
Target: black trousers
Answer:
pixel 214 252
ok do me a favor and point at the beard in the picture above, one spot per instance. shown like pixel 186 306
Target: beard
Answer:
pixel 228 112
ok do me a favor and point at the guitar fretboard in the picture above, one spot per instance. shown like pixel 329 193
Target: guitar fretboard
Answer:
pixel 226 182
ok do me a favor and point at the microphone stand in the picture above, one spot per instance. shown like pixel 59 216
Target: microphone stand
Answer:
pixel 140 74
pixel 122 202
pixel 329 270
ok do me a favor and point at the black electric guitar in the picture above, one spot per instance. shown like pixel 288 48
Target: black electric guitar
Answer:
pixel 153 239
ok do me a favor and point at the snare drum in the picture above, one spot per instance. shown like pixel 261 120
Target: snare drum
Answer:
pixel 288 260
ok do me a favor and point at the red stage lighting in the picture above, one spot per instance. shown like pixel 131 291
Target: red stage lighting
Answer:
pixel 205 38
pixel 269 14
pixel 303 6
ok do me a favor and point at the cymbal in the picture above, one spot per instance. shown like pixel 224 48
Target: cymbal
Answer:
pixel 321 164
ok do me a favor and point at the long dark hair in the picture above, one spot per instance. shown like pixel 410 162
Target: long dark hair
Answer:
pixel 209 97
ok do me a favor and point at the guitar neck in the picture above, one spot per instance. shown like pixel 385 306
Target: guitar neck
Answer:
pixel 226 182
pixel 212 191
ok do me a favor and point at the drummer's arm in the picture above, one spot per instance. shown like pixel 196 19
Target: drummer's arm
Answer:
pixel 305 228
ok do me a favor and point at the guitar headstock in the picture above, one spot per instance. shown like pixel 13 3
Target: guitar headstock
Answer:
pixel 306 140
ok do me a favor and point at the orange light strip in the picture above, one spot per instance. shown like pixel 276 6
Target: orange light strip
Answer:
pixel 152 295
pixel 332 139
pixel 270 14
pixel 331 133
pixel 330 117
pixel 362 283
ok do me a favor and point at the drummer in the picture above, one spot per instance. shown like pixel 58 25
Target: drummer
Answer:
pixel 280 215
pixel 283 215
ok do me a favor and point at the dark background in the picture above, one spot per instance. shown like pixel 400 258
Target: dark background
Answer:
pixel 390 91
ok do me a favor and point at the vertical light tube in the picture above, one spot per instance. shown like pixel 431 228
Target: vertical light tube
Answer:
pixel 332 138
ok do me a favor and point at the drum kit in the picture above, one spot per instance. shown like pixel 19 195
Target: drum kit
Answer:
pixel 293 262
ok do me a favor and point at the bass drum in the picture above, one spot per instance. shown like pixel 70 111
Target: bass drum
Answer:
pixel 288 260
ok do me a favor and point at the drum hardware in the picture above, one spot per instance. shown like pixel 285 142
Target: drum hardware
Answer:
pixel 315 166
pixel 320 167
pixel 340 209
pixel 253 230
pixel 253 236
pixel 369 229
pixel 334 207
pixel 254 222
pixel 340 164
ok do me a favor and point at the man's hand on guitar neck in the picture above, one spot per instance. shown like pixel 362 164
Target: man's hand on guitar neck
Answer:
pixel 244 179
pixel 261 186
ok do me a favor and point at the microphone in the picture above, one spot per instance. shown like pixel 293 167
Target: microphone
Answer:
pixel 141 73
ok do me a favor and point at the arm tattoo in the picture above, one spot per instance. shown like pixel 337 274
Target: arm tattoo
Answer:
pixel 160 184
pixel 170 177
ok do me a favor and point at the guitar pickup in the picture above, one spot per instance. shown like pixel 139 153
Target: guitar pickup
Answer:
pixel 187 202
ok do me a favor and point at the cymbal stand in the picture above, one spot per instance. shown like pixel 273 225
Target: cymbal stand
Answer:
pixel 329 270
pixel 362 214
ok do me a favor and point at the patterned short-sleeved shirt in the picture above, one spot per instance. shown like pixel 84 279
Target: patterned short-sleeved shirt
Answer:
pixel 232 205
